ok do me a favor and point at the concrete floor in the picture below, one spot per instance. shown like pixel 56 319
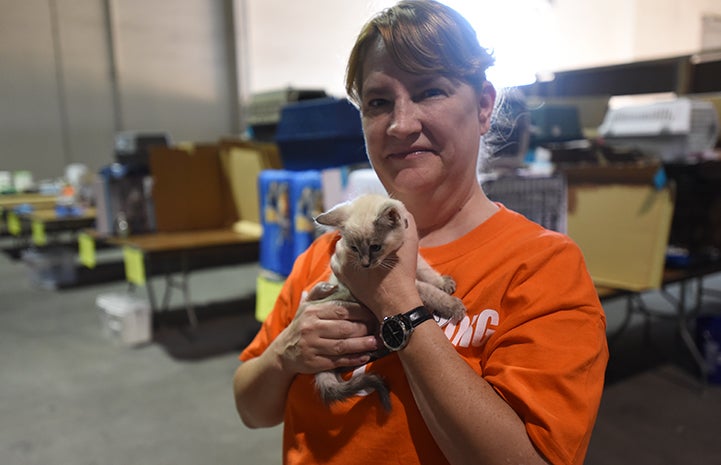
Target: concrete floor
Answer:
pixel 68 395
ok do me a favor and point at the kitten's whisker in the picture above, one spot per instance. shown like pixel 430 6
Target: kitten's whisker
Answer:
pixel 389 262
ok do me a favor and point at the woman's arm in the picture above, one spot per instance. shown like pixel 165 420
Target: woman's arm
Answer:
pixel 470 422
pixel 322 336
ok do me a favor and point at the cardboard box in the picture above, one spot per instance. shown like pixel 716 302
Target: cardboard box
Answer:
pixel 190 191
pixel 242 162
pixel 621 221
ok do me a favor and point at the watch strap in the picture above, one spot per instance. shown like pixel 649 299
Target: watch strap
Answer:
pixel 418 315
pixel 396 330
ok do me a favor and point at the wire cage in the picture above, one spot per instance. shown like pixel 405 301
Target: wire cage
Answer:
pixel 543 200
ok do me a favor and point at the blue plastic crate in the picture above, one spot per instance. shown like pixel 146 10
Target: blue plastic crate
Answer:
pixel 320 133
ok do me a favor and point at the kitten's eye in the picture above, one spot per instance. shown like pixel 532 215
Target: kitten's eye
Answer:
pixel 354 248
pixel 375 248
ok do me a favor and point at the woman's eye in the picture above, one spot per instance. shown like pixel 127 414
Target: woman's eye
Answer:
pixel 428 93
pixel 376 103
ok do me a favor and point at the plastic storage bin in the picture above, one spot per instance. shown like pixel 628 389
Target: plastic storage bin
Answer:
pixel 708 334
pixel 51 267
pixel 320 133
pixel 125 319
pixel 289 202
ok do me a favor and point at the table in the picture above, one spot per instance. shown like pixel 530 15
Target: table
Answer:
pixel 9 201
pixel 44 221
pixel 166 253
pixel 684 278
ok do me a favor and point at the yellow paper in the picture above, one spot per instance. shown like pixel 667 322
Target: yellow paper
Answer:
pixel 134 265
pixel 38 230
pixel 86 249
pixel 266 293
pixel 14 226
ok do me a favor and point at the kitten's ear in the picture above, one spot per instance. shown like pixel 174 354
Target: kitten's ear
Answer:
pixel 335 217
pixel 391 214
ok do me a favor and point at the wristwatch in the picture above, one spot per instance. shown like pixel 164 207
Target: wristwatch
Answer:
pixel 396 330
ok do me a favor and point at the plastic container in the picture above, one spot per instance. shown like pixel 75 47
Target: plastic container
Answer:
pixel 125 319
pixel 320 133
pixel 708 336
pixel 289 202
pixel 51 267
pixel 276 243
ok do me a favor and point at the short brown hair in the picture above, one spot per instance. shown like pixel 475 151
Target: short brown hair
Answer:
pixel 422 37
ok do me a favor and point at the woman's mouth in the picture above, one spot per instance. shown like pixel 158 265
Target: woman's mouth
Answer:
pixel 410 153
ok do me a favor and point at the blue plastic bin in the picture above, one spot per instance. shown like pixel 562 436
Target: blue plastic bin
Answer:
pixel 320 133
pixel 289 202
pixel 708 334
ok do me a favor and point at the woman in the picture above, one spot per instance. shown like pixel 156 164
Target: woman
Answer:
pixel 518 380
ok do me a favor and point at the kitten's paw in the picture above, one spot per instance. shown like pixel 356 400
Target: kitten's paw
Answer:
pixel 449 284
pixel 457 311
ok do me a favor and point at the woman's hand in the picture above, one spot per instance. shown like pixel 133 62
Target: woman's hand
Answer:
pixel 327 334
pixel 385 290
pixel 323 335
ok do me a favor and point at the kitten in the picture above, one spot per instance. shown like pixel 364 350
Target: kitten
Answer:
pixel 371 228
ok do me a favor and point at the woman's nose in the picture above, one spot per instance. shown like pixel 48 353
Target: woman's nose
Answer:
pixel 404 120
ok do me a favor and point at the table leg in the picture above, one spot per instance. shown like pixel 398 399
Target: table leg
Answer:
pixel 686 333
pixel 190 310
pixel 182 284
pixel 149 285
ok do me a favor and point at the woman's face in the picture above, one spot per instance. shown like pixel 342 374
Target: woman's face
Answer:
pixel 422 132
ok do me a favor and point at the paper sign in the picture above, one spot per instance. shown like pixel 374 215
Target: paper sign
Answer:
pixel 134 265
pixel 86 250
pixel 266 293
pixel 38 230
pixel 14 226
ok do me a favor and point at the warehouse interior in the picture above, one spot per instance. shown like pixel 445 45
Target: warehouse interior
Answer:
pixel 139 143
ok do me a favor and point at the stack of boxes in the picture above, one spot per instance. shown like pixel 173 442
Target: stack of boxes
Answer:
pixel 314 137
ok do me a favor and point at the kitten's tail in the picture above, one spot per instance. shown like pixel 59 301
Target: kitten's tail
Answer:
pixel 333 388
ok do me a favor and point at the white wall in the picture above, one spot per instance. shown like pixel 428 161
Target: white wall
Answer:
pixel 174 72
pixel 174 63
pixel 305 44
pixel 54 91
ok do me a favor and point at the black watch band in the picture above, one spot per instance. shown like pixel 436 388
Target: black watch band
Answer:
pixel 396 330
pixel 418 315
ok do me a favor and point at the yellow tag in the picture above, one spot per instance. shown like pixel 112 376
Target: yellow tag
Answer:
pixel 39 236
pixel 14 226
pixel 134 265
pixel 266 293
pixel 86 249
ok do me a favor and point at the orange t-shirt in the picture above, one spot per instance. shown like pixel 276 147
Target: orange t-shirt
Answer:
pixel 535 330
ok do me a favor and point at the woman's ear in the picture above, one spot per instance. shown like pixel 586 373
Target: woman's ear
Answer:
pixel 487 100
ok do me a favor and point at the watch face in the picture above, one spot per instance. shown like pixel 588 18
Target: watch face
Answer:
pixel 394 333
